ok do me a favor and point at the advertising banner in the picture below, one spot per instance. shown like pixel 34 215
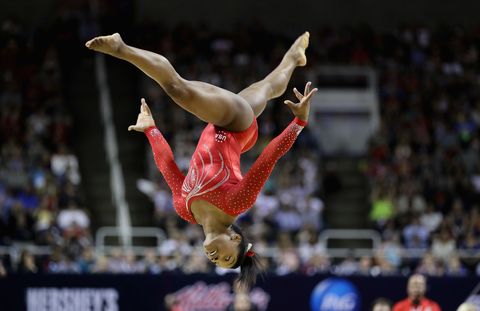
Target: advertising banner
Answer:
pixel 199 292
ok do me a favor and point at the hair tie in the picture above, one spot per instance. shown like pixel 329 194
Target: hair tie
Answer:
pixel 249 252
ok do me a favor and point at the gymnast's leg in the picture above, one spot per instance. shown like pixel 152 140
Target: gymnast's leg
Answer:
pixel 208 102
pixel 276 82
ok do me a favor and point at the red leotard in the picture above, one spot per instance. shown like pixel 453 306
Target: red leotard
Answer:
pixel 214 174
pixel 424 305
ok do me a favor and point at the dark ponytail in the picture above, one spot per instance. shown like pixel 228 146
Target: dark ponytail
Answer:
pixel 248 262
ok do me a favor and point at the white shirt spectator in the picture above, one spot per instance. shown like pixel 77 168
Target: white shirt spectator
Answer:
pixel 176 244
pixel 266 205
pixel 288 262
pixel 288 220
pixel 39 122
pixel 64 164
pixel 431 220
pixel 163 201
pixel 443 247
pixel 311 210
pixel 68 217
pixel 419 205
pixel 310 168
pixel 476 181
pixel 292 195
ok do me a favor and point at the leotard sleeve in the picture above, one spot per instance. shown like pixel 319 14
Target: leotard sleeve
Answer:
pixel 243 195
pixel 164 160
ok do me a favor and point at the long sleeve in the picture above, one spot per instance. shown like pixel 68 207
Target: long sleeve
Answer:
pixel 164 160
pixel 243 195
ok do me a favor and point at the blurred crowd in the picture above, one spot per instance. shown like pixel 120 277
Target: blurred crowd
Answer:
pixel 423 163
pixel 40 182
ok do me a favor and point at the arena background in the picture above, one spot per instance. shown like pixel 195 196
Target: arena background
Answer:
pixel 384 182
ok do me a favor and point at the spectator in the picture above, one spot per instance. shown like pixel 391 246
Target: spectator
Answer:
pixel 308 243
pixel 348 266
pixel 382 208
pixel 311 211
pixel 288 218
pixel 66 264
pixel 455 267
pixel 365 265
pixel 73 216
pixel 457 219
pixel 383 267
pixel 158 192
pixel 27 263
pixel 197 263
pixel 415 234
pixel 102 265
pixel 467 307
pixel 115 262
pixel 391 250
pixel 416 289
pixel 150 262
pixel 3 271
pixel 86 262
pixel 470 244
pixel 431 219
pixel 443 246
pixel 172 303
pixel 130 264
pixel 429 266
pixel 65 165
pixel 317 263
pixel 20 223
pixel 266 205
pixel 288 262
pixel 381 304
pixel 242 302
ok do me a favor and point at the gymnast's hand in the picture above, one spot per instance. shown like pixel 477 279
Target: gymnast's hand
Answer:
pixel 302 108
pixel 144 120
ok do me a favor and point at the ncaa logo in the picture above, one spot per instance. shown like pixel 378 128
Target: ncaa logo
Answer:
pixel 335 295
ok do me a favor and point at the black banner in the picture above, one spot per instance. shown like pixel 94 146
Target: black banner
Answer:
pixel 201 293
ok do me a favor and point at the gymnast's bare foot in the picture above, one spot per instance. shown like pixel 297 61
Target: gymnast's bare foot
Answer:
pixel 297 50
pixel 106 44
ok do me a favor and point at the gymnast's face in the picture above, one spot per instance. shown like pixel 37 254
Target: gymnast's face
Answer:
pixel 222 250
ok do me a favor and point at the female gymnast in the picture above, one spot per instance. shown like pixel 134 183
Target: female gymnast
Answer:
pixel 214 192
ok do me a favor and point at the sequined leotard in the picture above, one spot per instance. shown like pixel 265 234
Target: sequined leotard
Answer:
pixel 214 174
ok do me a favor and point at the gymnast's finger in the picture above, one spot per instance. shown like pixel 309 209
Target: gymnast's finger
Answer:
pixel 145 107
pixel 307 88
pixel 309 96
pixel 297 93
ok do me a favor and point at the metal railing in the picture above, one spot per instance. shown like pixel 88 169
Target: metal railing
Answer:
pixel 350 235
pixel 143 232
pixel 102 248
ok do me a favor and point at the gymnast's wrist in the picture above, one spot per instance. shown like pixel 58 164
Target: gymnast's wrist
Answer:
pixel 149 129
pixel 300 121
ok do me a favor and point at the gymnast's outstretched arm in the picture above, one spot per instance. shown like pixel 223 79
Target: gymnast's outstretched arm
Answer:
pixel 241 197
pixel 162 152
